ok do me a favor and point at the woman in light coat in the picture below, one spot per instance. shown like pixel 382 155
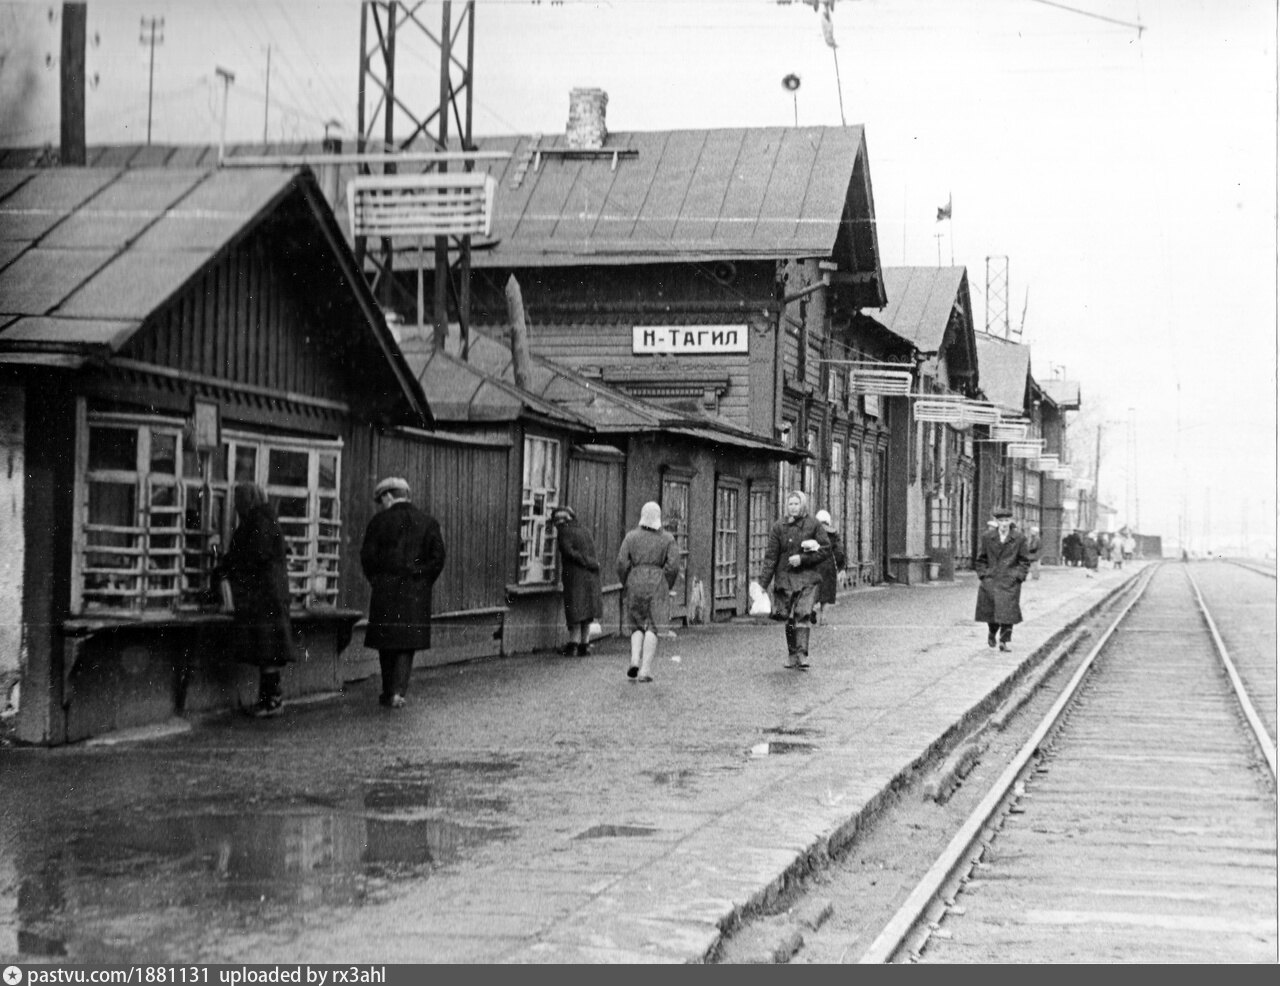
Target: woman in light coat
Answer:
pixel 648 563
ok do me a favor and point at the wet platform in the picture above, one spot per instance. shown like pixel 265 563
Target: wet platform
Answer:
pixel 533 808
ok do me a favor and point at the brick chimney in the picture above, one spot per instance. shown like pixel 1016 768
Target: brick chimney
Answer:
pixel 586 129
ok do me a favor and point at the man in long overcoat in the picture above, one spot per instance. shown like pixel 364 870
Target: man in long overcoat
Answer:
pixel 402 556
pixel 1002 564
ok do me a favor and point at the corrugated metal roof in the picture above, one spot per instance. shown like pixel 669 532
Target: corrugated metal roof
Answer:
pixel 920 301
pixel 687 194
pixel 1004 370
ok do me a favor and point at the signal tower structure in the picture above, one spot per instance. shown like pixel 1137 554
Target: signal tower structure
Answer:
pixel 388 30
pixel 997 300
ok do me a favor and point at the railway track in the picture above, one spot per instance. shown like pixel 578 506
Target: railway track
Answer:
pixel 1138 822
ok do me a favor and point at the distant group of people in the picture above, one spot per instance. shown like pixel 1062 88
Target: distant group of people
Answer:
pixel 1084 549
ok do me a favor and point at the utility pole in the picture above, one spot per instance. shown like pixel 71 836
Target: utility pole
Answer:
pixel 227 78
pixel 71 148
pixel 150 25
pixel 266 99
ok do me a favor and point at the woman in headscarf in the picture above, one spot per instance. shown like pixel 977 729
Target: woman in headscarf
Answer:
pixel 256 568
pixel 579 579
pixel 648 563
pixel 798 546
pixel 830 568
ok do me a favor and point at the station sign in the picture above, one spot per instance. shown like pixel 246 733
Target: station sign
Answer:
pixel 681 340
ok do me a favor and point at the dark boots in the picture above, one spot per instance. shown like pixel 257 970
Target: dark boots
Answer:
pixel 797 646
pixel 802 647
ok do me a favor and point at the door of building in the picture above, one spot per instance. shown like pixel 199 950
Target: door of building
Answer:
pixel 675 518
pixel 727 590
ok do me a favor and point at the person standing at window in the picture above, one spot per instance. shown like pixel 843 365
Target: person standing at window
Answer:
pixel 579 578
pixel 402 555
pixel 798 547
pixel 255 568
pixel 648 563
pixel 1001 563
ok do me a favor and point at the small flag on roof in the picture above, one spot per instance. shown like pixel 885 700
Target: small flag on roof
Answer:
pixel 828 33
pixel 944 211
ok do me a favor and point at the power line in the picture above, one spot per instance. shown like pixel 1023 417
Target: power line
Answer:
pixel 1088 13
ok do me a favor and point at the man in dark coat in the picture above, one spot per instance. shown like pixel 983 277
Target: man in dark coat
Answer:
pixel 580 579
pixel 256 569
pixel 402 556
pixel 1002 563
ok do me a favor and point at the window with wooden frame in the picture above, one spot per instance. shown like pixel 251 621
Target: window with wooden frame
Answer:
pixel 540 495
pixel 835 489
pixel 760 518
pixel 811 464
pixel 151 509
pixel 786 469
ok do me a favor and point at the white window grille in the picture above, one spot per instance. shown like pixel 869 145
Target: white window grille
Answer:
pixel 864 379
pixel 451 203
pixel 540 495
pixel 1009 431
pixel 1029 449
pixel 150 507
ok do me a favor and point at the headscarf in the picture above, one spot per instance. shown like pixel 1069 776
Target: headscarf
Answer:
pixel 804 502
pixel 822 517
pixel 247 496
pixel 562 514
pixel 651 516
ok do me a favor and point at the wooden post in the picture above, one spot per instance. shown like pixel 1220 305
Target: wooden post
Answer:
pixel 519 333
pixel 74 18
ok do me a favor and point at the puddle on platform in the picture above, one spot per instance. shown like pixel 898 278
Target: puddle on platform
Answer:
pixel 220 865
pixel 615 832
pixel 780 746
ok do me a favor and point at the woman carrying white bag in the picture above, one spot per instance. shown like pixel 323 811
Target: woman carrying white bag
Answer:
pixel 798 545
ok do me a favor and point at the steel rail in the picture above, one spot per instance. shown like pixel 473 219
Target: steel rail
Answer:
pixel 957 853
pixel 1246 704
pixel 1250 568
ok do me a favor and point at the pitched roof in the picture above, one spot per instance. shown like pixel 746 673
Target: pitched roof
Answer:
pixel 920 302
pixel 1064 393
pixel 1004 370
pixel 482 388
pixel 687 195
pixel 87 255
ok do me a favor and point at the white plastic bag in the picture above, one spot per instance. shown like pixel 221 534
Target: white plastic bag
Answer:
pixel 595 630
pixel 760 602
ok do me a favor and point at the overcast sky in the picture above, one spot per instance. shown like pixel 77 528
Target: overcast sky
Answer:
pixel 1128 177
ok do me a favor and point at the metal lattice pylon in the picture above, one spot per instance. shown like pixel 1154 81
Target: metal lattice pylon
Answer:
pixel 998 296
pixel 391 30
